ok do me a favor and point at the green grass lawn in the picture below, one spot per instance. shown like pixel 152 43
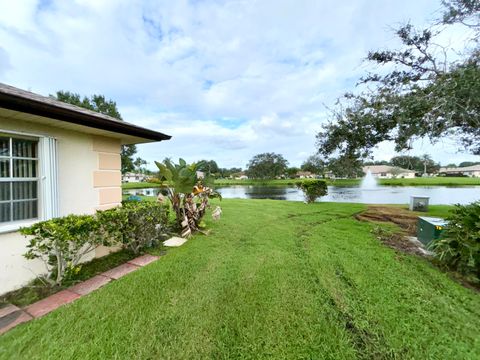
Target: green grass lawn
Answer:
pixel 139 185
pixel 441 211
pixel 274 279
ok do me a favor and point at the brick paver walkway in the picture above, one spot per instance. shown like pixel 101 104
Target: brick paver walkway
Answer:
pixel 11 316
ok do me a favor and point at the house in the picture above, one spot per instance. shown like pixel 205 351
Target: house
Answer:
pixel 470 171
pixel 133 177
pixel 305 175
pixel 240 176
pixel 329 175
pixel 55 159
pixel 388 172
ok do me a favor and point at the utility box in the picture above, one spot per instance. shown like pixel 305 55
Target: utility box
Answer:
pixel 419 203
pixel 429 228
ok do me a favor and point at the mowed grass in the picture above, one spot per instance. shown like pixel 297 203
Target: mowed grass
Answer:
pixel 274 279
pixel 140 185
pixel 441 211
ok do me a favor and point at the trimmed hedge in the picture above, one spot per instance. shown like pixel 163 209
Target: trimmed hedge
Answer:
pixel 62 242
pixel 136 225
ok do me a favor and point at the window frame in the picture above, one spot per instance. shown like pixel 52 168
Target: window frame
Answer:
pixel 12 226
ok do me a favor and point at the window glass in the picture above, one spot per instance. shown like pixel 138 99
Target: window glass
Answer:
pixel 24 210
pixel 24 148
pixel 23 190
pixel 4 146
pixel 4 168
pixel 5 212
pixel 24 168
pixel 4 191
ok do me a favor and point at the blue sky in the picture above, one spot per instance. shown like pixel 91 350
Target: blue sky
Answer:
pixel 227 79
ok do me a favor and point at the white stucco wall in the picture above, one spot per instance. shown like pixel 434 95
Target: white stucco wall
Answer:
pixel 389 175
pixel 77 162
pixel 473 174
pixel 407 175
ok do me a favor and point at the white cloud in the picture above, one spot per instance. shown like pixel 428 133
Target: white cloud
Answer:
pixel 227 79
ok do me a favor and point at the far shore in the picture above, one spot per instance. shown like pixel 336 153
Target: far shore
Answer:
pixel 427 181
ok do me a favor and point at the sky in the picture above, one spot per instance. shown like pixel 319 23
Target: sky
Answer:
pixel 227 79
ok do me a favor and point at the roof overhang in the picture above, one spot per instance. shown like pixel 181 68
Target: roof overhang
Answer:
pixel 16 103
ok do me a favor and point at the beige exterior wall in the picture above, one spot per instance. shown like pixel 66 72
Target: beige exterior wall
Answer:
pixel 107 179
pixel 88 179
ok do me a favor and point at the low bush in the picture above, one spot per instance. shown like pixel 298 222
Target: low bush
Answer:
pixel 459 245
pixel 312 189
pixel 136 225
pixel 62 242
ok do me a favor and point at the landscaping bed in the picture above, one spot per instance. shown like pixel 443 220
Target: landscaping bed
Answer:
pixel 38 290
pixel 273 279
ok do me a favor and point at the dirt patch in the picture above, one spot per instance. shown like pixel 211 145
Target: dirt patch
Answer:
pixel 398 241
pixel 406 220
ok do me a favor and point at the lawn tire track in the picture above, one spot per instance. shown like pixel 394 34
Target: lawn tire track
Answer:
pixel 362 340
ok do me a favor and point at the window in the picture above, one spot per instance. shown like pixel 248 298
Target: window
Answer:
pixel 19 180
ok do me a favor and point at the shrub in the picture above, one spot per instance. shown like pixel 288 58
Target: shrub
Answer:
pixel 459 245
pixel 135 225
pixel 187 192
pixel 312 189
pixel 61 243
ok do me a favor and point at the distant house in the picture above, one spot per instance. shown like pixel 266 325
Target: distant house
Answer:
pixel 133 177
pixel 471 171
pixel 55 159
pixel 240 176
pixel 305 175
pixel 388 172
pixel 329 175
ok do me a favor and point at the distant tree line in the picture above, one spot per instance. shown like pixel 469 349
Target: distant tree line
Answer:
pixel 463 164
pixel 272 165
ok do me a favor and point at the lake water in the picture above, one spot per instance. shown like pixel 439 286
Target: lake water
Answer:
pixel 355 194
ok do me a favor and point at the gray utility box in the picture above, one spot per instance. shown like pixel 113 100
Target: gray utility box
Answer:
pixel 429 228
pixel 419 203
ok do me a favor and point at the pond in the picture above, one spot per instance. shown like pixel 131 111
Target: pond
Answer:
pixel 355 194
